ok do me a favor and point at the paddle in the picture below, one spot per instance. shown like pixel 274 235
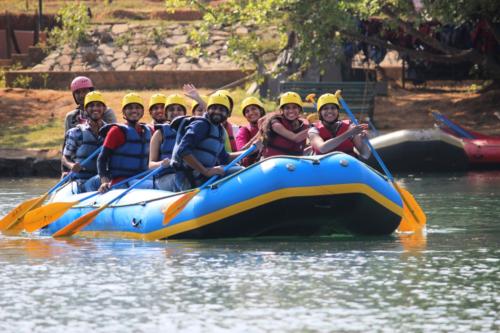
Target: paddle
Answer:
pixel 15 216
pixel 414 218
pixel 45 215
pixel 86 219
pixel 175 207
pixel 454 127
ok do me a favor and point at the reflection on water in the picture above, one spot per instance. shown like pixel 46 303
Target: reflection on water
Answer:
pixel 443 281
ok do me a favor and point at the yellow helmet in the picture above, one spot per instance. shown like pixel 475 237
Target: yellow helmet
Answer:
pixel 252 101
pixel 93 96
pixel 157 99
pixel 220 99
pixel 132 98
pixel 228 95
pixel 290 97
pixel 327 99
pixel 195 103
pixel 177 99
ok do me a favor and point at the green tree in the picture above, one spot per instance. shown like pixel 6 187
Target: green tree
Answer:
pixel 318 26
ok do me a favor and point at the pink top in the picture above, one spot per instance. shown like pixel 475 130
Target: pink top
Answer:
pixel 245 134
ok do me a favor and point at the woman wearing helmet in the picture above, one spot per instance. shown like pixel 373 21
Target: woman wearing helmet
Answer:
pixel 125 150
pixel 253 110
pixel 331 134
pixel 285 133
pixel 157 109
pixel 175 106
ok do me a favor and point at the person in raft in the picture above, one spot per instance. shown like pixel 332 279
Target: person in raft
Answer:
pixel 199 153
pixel 81 141
pixel 175 106
pixel 157 109
pixel 285 133
pixel 80 87
pixel 230 138
pixel 125 151
pixel 253 110
pixel 331 134
pixel 162 145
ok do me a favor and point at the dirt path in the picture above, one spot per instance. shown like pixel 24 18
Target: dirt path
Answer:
pixel 401 109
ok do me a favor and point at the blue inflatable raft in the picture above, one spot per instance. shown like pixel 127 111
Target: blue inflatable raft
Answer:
pixel 280 196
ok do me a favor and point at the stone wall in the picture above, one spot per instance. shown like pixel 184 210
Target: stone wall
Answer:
pixel 30 163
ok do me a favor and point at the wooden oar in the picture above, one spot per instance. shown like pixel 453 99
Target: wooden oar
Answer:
pixel 45 215
pixel 86 219
pixel 178 205
pixel 414 218
pixel 15 216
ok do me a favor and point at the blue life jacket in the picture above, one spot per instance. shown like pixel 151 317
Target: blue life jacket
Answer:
pixel 90 143
pixel 167 145
pixel 207 150
pixel 132 157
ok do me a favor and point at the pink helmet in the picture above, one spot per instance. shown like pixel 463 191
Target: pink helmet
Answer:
pixel 81 82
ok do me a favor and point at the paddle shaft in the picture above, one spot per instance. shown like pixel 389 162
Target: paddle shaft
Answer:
pixel 455 128
pixel 69 175
pixel 230 165
pixel 378 158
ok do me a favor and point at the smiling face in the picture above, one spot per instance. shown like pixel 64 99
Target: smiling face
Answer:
pixel 329 113
pixel 290 111
pixel 133 112
pixel 175 110
pixel 252 113
pixel 217 113
pixel 95 110
pixel 157 112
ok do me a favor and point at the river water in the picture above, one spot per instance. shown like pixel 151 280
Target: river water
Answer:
pixel 444 281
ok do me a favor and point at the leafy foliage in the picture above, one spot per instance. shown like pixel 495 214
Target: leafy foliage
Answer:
pixel 320 26
pixel 75 22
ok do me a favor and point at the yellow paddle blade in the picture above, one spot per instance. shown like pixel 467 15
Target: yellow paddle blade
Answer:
pixel 16 215
pixel 45 215
pixel 414 218
pixel 79 223
pixel 175 207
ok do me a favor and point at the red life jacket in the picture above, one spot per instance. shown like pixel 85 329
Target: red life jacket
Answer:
pixel 230 134
pixel 346 147
pixel 279 145
pixel 248 132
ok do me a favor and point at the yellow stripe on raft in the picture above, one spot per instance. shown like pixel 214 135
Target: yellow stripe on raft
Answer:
pixel 223 213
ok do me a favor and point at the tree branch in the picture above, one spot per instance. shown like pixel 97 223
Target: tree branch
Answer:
pixel 429 40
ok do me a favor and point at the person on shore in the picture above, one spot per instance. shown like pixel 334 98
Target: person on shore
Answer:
pixel 157 109
pixel 125 150
pixel 230 139
pixel 80 87
pixel 253 110
pixel 82 140
pixel 175 106
pixel 199 153
pixel 331 134
pixel 285 133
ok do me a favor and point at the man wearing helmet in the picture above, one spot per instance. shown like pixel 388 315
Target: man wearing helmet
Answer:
pixel 125 150
pixel 157 109
pixel 81 141
pixel 199 153
pixel 80 87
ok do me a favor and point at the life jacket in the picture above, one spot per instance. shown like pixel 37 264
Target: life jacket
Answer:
pixel 346 147
pixel 207 150
pixel 132 157
pixel 230 142
pixel 167 145
pixel 90 143
pixel 279 145
pixel 252 131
